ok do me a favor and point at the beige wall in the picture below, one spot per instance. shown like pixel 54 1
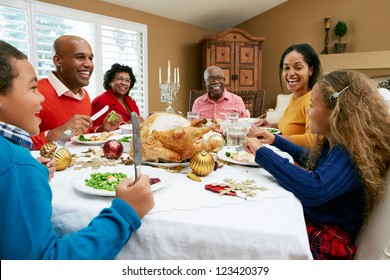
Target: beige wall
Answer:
pixel 301 21
pixel 295 21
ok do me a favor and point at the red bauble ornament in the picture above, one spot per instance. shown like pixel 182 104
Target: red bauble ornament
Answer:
pixel 112 149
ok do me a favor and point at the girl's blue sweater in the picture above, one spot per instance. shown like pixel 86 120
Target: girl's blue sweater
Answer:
pixel 332 193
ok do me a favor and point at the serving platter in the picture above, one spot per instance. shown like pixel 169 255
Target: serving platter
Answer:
pixel 167 164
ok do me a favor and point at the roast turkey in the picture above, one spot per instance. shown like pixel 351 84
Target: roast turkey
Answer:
pixel 168 137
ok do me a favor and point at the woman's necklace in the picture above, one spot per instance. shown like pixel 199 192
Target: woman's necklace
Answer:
pixel 126 106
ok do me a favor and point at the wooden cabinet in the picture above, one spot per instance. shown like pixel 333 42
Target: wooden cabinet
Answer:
pixel 239 55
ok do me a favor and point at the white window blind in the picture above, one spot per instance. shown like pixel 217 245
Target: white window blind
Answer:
pixel 13 28
pixel 33 26
pixel 126 47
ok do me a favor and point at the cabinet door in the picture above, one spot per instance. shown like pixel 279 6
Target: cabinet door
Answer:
pixel 223 55
pixel 238 53
pixel 246 66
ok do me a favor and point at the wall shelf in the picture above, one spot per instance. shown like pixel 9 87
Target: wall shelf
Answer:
pixel 379 60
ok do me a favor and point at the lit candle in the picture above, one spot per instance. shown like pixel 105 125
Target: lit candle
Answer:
pixel 174 75
pixel 178 76
pixel 327 22
pixel 169 70
pixel 159 75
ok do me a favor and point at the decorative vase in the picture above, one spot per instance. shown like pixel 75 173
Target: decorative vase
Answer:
pixel 339 47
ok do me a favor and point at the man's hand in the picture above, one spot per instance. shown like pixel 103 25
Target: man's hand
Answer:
pixel 80 123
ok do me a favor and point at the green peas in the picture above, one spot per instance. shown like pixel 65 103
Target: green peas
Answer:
pixel 105 181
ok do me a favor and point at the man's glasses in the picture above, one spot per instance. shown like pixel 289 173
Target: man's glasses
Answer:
pixel 218 78
pixel 123 80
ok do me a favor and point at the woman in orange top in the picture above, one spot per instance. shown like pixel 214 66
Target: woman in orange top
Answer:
pixel 118 81
pixel 299 69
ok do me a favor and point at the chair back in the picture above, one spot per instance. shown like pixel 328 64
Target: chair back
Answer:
pixel 253 100
pixel 194 94
pixel 373 241
pixel 282 101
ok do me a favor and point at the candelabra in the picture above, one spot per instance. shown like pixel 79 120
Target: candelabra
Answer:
pixel 169 91
pixel 326 48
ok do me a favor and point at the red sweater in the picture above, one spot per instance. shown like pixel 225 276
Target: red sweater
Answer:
pixel 57 110
pixel 108 98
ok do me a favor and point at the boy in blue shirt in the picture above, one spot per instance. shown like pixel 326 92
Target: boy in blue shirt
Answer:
pixel 26 231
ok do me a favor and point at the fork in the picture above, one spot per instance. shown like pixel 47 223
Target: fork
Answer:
pixel 64 138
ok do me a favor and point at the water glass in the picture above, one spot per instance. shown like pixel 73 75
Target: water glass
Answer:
pixel 232 118
pixel 193 116
pixel 235 137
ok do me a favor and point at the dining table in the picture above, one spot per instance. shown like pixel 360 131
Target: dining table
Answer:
pixel 188 221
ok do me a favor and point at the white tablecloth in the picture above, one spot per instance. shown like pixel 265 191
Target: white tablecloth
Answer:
pixel 189 222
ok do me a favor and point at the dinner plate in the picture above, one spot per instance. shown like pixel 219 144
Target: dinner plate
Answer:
pixel 167 164
pixel 79 184
pixel 222 155
pixel 89 135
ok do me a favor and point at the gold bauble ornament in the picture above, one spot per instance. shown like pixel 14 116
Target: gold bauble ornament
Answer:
pixel 202 163
pixel 48 150
pixel 63 159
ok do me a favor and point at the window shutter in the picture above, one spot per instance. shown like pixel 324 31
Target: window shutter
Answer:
pixel 32 27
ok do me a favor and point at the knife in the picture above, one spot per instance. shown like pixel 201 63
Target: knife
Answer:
pixel 137 148
pixel 98 114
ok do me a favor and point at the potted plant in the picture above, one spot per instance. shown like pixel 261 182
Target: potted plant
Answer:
pixel 340 30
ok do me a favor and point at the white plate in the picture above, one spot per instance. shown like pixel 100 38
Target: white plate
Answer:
pixel 222 155
pixel 167 164
pixel 79 181
pixel 90 143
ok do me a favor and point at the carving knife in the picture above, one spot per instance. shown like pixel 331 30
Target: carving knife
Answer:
pixel 98 114
pixel 137 148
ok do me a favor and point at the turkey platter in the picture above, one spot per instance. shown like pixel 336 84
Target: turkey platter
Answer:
pixel 170 137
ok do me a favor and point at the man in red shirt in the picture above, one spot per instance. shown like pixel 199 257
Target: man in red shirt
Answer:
pixel 67 104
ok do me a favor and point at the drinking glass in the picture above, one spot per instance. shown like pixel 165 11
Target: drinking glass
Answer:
pixel 220 116
pixel 193 116
pixel 235 137
pixel 232 118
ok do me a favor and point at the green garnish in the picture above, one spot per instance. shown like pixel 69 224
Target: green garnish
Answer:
pixel 105 181
pixel 125 139
pixel 228 154
pixel 82 138
pixel 273 130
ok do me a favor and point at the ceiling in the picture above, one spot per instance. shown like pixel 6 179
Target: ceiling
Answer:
pixel 211 14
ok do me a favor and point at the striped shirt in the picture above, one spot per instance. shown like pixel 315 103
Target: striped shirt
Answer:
pixel 16 135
